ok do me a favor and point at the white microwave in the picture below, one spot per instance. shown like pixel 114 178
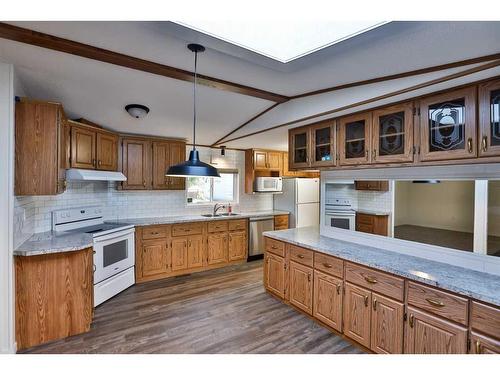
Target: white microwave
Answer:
pixel 268 184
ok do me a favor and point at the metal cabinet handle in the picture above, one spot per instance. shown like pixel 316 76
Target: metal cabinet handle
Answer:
pixel 478 347
pixel 435 302
pixel 93 162
pixel 300 256
pixel 327 265
pixel 189 243
pixel 309 277
pixel 484 143
pixel 374 304
pixel 410 321
pixel 366 301
pixel 338 288
pixel 374 154
pixel 469 145
pixel 144 183
pixel 371 279
pixel 99 163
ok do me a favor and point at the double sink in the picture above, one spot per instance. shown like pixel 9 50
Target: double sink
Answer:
pixel 219 215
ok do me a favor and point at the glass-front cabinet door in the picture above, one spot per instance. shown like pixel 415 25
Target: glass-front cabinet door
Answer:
pixel 299 147
pixel 392 136
pixel 354 139
pixel 323 144
pixel 448 125
pixel 489 118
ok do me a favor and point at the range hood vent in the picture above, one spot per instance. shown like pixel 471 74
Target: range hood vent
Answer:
pixel 91 175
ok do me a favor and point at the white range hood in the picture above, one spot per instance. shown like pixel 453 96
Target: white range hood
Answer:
pixel 92 175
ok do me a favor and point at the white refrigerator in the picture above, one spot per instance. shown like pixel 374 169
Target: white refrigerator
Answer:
pixel 301 198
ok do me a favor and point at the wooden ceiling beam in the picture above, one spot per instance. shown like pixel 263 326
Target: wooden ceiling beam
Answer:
pixel 55 43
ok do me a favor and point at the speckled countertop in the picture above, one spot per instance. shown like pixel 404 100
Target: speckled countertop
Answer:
pixel 51 242
pixel 478 285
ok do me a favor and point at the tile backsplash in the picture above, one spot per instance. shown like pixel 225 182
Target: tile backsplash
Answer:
pixel 379 201
pixel 33 214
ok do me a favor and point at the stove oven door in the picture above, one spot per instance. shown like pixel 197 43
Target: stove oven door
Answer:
pixel 113 253
pixel 341 220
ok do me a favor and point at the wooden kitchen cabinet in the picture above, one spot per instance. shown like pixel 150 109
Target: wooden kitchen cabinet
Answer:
pixel 107 151
pixel 429 334
pixel 357 309
pixel 374 224
pixel 40 148
pixel 164 155
pixel 386 325
pixel 136 163
pixel 155 257
pixel 489 118
pixel 448 125
pixel 301 286
pixel 327 300
pixel 482 344
pixel 196 251
pixel 267 160
pixel 179 253
pixel 217 248
pixel 392 134
pixel 280 222
pixel 299 147
pixel 177 155
pixel 275 274
pixel 323 145
pixel 371 185
pixel 238 245
pixel 354 142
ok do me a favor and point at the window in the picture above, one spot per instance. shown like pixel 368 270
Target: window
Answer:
pixel 206 190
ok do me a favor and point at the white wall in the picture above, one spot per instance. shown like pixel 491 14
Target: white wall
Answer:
pixel 494 208
pixel 447 205
pixel 6 201
pixel 32 214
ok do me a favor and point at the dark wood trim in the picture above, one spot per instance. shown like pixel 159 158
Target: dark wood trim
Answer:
pixel 219 141
pixel 381 97
pixel 409 73
pixel 55 43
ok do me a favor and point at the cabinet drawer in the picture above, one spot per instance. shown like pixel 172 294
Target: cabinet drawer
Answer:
pixel 281 221
pixel 154 231
pixel 365 219
pixel 187 229
pixel 301 255
pixel 440 303
pixel 275 247
pixel 388 285
pixel 366 228
pixel 328 264
pixel 217 226
pixel 238 225
pixel 485 319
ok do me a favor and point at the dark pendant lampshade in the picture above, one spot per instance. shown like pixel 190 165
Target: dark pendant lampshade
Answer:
pixel 193 167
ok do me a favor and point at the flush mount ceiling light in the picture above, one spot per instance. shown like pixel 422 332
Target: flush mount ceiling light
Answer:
pixel 193 167
pixel 137 110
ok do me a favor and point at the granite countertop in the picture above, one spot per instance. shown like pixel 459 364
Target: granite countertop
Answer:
pixel 371 212
pixel 478 285
pixel 51 242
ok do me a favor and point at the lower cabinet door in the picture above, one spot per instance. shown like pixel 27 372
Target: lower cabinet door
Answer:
pixel 237 245
pixel 357 314
pixel 428 334
pixel 217 248
pixel 301 286
pixel 327 300
pixel 179 254
pixel 481 344
pixel 387 325
pixel 155 257
pixel 195 251
pixel 274 279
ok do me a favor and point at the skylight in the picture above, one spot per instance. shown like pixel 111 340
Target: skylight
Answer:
pixel 282 41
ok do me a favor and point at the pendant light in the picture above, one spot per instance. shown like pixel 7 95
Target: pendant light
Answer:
pixel 193 167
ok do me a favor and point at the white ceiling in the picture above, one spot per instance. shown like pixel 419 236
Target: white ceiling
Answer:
pixel 99 91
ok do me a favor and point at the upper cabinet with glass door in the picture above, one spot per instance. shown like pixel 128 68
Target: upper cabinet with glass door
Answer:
pixel 392 135
pixel 354 139
pixel 323 144
pixel 299 147
pixel 448 125
pixel 489 118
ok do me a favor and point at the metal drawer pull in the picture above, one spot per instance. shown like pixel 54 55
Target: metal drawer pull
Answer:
pixel 309 277
pixel 410 321
pixel 366 301
pixel 338 288
pixel 374 304
pixel 371 280
pixel 484 143
pixel 327 265
pixel 435 302
pixel 469 145
pixel 154 233
pixel 300 256
pixel 478 347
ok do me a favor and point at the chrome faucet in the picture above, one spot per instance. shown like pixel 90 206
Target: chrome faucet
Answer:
pixel 217 207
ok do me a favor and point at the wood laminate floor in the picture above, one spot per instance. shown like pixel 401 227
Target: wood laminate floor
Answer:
pixel 219 311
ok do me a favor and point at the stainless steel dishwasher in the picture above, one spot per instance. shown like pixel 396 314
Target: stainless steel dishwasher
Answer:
pixel 258 225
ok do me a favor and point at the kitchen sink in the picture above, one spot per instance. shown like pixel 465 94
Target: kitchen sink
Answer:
pixel 211 215
pixel 229 214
